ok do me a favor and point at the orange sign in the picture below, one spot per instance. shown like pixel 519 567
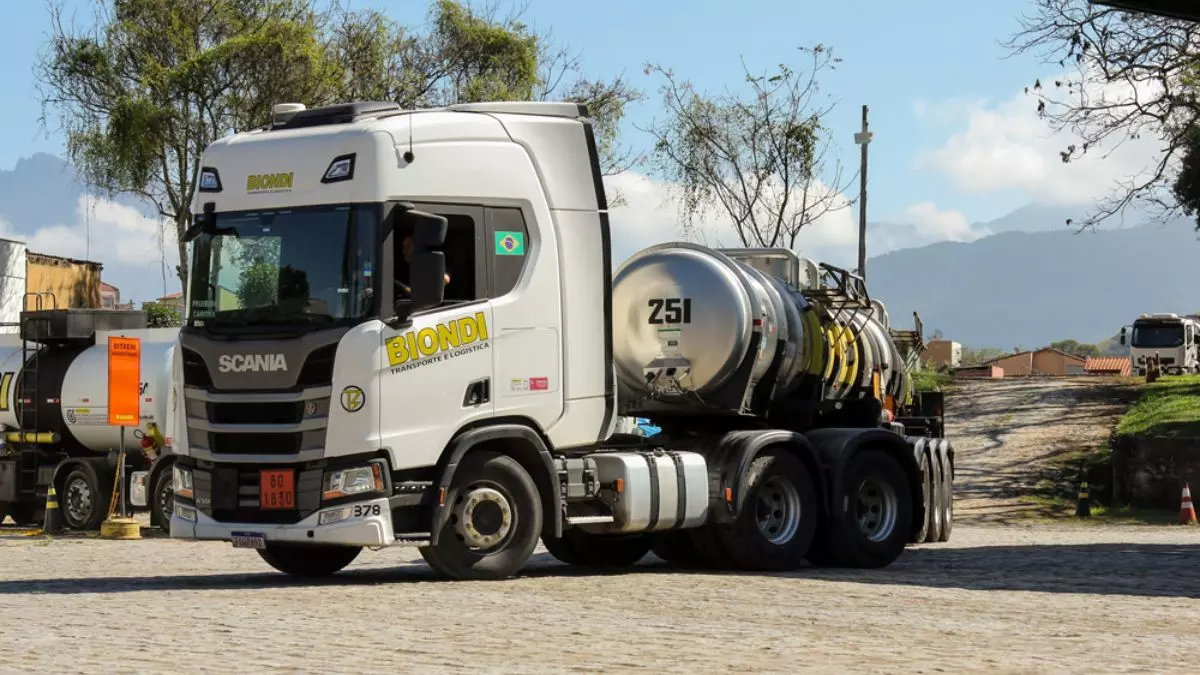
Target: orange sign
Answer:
pixel 124 381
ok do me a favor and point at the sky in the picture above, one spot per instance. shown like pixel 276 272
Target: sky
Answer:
pixel 956 142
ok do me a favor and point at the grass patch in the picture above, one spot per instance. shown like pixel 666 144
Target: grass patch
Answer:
pixel 932 380
pixel 1057 509
pixel 1168 407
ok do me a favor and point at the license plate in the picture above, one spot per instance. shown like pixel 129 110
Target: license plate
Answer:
pixel 248 540
pixel 277 489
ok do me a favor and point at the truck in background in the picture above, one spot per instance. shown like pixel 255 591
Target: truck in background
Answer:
pixel 404 328
pixel 1173 339
pixel 54 418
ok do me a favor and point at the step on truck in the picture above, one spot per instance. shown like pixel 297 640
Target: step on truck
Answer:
pixel 403 327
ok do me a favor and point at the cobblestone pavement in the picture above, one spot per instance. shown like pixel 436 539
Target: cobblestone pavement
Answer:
pixel 995 598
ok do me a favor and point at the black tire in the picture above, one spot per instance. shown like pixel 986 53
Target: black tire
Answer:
pixel 947 493
pixel 308 560
pixel 676 548
pixel 841 541
pixel 922 535
pixel 708 549
pixel 577 547
pixel 83 499
pixel 162 499
pixel 780 500
pixel 452 557
pixel 936 491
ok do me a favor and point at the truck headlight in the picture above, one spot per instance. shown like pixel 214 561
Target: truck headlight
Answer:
pixel 181 481
pixel 358 480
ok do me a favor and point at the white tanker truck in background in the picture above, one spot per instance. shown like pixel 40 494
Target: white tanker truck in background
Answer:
pixel 54 415
pixel 367 399
pixel 1173 339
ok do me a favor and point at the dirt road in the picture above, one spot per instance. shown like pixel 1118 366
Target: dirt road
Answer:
pixel 1005 430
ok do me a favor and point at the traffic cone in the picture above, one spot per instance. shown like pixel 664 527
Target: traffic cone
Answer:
pixel 1084 510
pixel 1187 512
pixel 53 522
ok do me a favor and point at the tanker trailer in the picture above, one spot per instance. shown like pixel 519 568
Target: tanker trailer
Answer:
pixel 54 413
pixel 717 345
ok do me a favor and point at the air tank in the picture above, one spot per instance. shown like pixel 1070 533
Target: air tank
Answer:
pixel 686 317
pixel 72 390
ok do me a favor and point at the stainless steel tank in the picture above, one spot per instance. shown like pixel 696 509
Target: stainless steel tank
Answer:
pixel 684 318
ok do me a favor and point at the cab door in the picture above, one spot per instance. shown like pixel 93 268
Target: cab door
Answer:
pixel 435 373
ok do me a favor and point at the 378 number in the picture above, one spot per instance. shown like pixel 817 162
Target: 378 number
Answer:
pixel 361 510
pixel 670 310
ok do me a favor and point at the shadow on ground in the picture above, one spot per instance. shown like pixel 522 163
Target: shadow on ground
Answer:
pixel 1151 570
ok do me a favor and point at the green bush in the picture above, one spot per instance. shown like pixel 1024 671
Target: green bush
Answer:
pixel 161 316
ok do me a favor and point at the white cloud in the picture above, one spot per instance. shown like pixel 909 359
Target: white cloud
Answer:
pixel 650 215
pixel 1006 145
pixel 128 244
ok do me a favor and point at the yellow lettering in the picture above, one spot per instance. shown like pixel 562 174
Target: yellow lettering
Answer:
pixel 397 351
pixel 251 183
pixel 434 339
pixel 5 384
pixel 269 181
pixel 448 334
pixel 427 341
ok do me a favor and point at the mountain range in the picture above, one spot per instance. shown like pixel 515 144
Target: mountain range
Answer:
pixel 1032 280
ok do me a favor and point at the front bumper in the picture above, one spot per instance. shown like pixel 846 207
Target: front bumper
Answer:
pixel 373 527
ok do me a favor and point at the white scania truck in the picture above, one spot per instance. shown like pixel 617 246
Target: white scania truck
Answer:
pixel 403 327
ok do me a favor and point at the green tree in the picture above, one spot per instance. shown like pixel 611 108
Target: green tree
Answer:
pixel 1135 75
pixel 144 91
pixel 1076 348
pixel 161 316
pixel 759 157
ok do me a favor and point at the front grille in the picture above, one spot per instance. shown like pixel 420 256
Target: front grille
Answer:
pixel 230 494
pixel 254 444
pixel 290 412
pixel 298 412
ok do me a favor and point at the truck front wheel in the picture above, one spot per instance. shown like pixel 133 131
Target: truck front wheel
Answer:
pixel 308 560
pixel 494 521
pixel 162 500
pixel 877 521
pixel 585 549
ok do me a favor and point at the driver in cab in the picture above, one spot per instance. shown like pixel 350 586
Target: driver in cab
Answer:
pixel 402 288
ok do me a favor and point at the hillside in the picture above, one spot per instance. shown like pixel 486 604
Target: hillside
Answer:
pixel 1030 288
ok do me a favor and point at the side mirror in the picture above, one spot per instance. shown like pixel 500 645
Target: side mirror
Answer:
pixel 427 265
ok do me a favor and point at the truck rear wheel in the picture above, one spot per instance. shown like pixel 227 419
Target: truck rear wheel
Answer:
pixel 936 496
pixel 494 523
pixel 874 529
pixel 83 500
pixel 675 547
pixel 947 494
pixel 928 503
pixel 778 518
pixel 308 560
pixel 585 549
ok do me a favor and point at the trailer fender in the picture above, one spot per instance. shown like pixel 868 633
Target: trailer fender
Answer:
pixel 835 446
pixel 518 441
pixel 733 453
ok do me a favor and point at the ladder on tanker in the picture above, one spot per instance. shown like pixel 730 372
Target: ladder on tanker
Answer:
pixel 33 330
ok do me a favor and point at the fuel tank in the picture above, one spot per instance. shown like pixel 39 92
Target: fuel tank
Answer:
pixel 72 391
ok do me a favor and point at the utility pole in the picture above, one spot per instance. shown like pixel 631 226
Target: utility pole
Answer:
pixel 863 138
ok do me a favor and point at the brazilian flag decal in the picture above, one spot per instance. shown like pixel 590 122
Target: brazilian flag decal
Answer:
pixel 510 243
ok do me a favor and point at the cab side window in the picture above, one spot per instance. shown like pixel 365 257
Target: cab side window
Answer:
pixel 464 226
pixel 509 244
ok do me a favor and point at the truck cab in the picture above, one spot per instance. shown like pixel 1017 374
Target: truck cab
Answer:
pixel 1172 339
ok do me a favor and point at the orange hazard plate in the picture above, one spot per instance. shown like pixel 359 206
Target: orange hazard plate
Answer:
pixel 277 489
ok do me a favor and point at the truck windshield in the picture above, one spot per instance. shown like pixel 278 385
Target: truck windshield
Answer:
pixel 1162 335
pixel 310 266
